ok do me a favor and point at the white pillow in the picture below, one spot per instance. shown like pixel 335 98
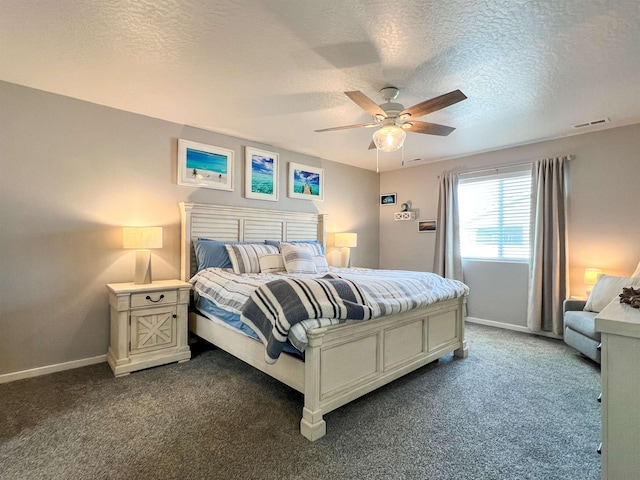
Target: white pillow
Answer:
pixel 608 288
pixel 322 266
pixel 271 263
pixel 297 259
pixel 244 258
pixel 314 248
pixel 637 272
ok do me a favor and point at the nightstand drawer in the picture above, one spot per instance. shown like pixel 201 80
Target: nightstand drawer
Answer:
pixel 150 299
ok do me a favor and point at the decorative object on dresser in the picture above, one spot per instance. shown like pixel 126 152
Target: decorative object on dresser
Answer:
pixel 346 241
pixel 142 239
pixel 630 296
pixel 148 325
pixel 619 325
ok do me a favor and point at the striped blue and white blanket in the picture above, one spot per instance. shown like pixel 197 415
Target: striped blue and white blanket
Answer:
pixel 385 292
pixel 276 306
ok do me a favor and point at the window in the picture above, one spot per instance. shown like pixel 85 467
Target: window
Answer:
pixel 495 214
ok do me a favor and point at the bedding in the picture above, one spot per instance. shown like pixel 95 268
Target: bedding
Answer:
pixel 278 305
pixel 386 292
pixel 232 321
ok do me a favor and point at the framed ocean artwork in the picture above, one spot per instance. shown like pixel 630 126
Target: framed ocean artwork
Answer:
pixel 306 182
pixel 201 165
pixel 260 174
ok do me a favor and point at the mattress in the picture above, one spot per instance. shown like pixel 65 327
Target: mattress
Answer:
pixel 213 312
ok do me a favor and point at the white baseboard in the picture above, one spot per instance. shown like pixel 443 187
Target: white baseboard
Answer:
pixel 509 326
pixel 59 367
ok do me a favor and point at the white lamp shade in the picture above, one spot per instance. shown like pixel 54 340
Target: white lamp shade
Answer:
pixel 142 237
pixel 591 275
pixel 346 240
pixel 389 138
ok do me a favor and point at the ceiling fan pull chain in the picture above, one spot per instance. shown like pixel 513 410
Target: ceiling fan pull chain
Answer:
pixel 377 161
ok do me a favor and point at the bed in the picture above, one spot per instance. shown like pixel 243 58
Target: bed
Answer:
pixel 341 362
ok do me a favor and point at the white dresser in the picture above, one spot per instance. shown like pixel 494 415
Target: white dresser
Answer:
pixel 620 354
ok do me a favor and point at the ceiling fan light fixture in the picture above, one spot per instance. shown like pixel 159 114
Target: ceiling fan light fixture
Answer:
pixel 389 138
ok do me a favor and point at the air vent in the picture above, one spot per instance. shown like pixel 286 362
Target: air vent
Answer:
pixel 592 123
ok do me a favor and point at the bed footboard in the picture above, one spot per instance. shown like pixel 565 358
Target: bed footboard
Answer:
pixel 345 362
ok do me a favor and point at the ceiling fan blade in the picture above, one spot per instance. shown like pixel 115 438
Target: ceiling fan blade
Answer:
pixel 372 145
pixel 429 128
pixel 434 104
pixel 345 127
pixel 365 103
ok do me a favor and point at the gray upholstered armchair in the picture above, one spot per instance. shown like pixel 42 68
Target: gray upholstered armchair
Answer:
pixel 580 329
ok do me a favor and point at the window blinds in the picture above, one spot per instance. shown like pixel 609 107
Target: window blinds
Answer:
pixel 495 215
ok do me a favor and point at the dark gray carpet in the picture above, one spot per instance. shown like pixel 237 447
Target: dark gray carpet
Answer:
pixel 519 407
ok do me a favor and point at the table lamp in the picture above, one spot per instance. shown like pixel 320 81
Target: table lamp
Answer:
pixel 345 241
pixel 142 239
pixel 590 278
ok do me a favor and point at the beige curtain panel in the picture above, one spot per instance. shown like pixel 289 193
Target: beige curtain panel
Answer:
pixel 548 268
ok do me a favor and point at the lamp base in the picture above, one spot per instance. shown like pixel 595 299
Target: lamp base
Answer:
pixel 143 267
pixel 345 257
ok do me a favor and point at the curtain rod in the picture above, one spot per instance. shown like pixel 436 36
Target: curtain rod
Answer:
pixel 507 165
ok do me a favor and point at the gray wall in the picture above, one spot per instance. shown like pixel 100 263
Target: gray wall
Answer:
pixel 72 173
pixel 604 231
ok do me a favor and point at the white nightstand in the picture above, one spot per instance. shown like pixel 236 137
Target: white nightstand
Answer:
pixel 148 325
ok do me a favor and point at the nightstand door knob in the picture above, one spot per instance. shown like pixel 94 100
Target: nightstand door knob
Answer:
pixel 155 301
pixel 175 316
pixel 600 398
pixel 599 347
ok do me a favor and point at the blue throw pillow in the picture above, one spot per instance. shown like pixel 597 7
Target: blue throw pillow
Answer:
pixel 211 253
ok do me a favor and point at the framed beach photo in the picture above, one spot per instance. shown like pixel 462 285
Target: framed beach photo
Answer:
pixel 427 226
pixel 388 199
pixel 201 165
pixel 306 182
pixel 260 174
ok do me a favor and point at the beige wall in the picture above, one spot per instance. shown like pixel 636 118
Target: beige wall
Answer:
pixel 604 230
pixel 72 173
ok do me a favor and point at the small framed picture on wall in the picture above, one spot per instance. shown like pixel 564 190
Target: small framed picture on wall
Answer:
pixel 388 199
pixel 427 226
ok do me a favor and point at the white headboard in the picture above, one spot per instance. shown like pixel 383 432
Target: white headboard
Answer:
pixel 242 224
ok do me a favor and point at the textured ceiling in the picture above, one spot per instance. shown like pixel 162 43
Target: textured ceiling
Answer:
pixel 273 71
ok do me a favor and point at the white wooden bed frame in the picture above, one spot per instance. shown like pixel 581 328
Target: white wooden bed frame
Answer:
pixel 342 362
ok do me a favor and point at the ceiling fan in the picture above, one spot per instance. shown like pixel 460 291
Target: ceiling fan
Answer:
pixel 394 120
